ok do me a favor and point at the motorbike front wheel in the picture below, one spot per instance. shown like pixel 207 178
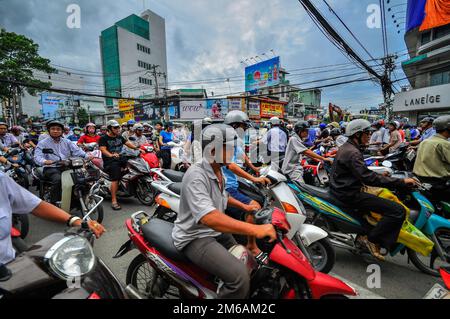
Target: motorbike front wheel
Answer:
pixel 322 253
pixel 432 264
pixel 144 277
pixel 97 214
pixel 145 193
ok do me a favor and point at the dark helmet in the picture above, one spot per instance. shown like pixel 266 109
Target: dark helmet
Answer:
pixel 335 132
pixel 54 123
pixel 301 126
pixel 218 134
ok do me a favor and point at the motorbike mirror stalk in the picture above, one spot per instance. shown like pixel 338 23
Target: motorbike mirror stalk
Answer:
pixel 280 239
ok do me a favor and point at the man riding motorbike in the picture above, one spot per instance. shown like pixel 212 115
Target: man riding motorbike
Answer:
pixel 395 140
pixel 16 200
pixel 7 139
pixel 349 174
pixel 276 140
pixel 130 129
pixel 202 232
pixel 240 122
pixel 139 138
pixel 427 130
pixel 76 134
pixel 111 145
pixel 63 149
pixel 295 149
pixel 433 159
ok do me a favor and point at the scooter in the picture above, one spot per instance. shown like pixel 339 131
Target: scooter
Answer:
pixel 342 223
pixel 318 248
pixel 77 181
pixel 135 182
pixel 161 270
pixel 18 170
pixel 180 162
pixel 61 266
pixel 150 156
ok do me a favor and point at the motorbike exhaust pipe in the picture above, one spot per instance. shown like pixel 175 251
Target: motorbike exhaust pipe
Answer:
pixel 340 244
pixel 133 293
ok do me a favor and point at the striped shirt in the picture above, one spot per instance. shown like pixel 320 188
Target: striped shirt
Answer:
pixel 63 150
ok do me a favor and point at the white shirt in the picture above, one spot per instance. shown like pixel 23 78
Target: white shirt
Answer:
pixel 13 199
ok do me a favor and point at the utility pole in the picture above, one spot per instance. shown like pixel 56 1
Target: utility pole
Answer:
pixel 155 77
pixel 386 85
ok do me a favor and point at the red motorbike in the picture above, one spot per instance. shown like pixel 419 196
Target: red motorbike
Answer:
pixel 150 156
pixel 161 271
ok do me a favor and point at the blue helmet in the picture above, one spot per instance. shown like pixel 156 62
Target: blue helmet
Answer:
pixel 322 126
pixel 131 122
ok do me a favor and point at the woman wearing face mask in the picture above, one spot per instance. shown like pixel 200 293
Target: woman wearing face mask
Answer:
pixel 292 166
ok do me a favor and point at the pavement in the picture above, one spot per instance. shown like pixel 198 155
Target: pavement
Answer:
pixel 393 279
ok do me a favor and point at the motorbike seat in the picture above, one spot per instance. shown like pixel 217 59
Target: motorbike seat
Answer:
pixel 323 193
pixel 159 234
pixel 176 188
pixel 174 176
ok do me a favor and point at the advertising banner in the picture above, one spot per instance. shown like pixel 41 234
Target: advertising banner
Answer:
pixel 262 75
pixel 254 111
pixel 236 105
pixel 217 109
pixel 126 109
pixel 270 109
pixel 50 105
pixel 192 110
pixel 427 14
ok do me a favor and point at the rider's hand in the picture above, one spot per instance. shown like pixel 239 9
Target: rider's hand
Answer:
pixel 264 231
pixel 250 208
pixel 48 162
pixel 329 160
pixel 15 165
pixel 261 180
pixel 95 227
pixel 115 155
pixel 411 182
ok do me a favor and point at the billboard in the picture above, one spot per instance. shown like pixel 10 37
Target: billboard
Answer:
pixel 192 110
pixel 50 105
pixel 236 104
pixel 263 74
pixel 270 109
pixel 254 111
pixel 217 109
pixel 126 109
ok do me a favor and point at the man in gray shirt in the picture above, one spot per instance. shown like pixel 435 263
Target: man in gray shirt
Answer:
pixel 202 231
pixel 295 149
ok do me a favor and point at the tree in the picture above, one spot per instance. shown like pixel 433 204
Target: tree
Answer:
pixel 19 57
pixel 83 117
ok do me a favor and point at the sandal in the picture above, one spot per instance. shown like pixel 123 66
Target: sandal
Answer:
pixel 262 258
pixel 116 206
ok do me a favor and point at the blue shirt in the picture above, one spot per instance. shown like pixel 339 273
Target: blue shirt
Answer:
pixel 63 149
pixel 8 140
pixel 231 178
pixel 167 137
pixel 17 200
pixel 276 140
pixel 427 134
pixel 74 138
pixel 312 136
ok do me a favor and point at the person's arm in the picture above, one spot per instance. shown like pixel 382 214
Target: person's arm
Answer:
pixel 225 224
pixel 77 151
pixel 39 157
pixel 106 153
pixel 233 167
pixel 313 155
pixel 250 165
pixel 52 213
pixel 131 145
pixel 444 152
pixel 241 206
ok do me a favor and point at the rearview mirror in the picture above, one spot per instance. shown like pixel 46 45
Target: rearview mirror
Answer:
pixel 48 151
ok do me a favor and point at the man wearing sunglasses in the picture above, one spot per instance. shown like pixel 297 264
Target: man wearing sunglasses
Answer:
pixel 111 146
pixel 348 176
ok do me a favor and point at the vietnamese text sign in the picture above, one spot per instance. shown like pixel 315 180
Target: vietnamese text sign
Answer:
pixel 270 109
pixel 254 111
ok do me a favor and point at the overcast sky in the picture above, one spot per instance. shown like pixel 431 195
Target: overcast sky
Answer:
pixel 208 39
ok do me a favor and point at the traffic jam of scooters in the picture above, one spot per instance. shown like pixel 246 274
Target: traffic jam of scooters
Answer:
pixel 225 150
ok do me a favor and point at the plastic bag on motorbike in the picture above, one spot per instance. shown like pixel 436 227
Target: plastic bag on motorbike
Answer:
pixel 410 236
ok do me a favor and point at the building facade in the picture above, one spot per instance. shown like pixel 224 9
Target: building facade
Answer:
pixel 134 58
pixel 427 69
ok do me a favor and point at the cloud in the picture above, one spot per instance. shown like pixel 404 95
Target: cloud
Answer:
pixel 205 39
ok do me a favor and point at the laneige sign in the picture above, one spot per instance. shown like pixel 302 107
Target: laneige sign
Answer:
pixel 433 97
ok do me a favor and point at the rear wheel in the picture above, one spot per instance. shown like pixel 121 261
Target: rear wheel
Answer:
pixel 146 280
pixel 145 193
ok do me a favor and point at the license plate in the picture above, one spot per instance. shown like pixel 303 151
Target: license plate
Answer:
pixel 438 292
pixel 411 155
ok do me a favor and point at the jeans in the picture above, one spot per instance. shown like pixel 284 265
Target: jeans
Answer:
pixel 211 254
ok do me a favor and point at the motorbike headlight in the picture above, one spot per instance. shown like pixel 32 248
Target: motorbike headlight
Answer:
pixel 71 257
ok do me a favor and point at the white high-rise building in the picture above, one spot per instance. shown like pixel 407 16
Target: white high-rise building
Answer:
pixel 134 58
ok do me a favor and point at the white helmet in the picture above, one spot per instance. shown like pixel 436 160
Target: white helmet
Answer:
pixel 275 121
pixel 357 126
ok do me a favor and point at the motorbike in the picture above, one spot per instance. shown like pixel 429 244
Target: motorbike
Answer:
pixel 344 224
pixel 18 170
pixel 160 270
pixel 78 192
pixel 180 162
pixel 135 182
pixel 150 156
pixel 318 248
pixel 61 266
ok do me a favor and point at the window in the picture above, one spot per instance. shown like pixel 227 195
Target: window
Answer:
pixel 143 48
pixel 144 65
pixel 440 77
pixel 426 37
pixel 145 81
pixel 441 31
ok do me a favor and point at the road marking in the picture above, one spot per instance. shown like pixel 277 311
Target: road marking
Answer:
pixel 363 293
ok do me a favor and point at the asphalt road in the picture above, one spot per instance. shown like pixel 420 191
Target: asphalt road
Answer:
pixel 398 279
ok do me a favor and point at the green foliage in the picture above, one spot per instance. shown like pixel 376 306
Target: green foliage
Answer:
pixel 83 117
pixel 19 57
